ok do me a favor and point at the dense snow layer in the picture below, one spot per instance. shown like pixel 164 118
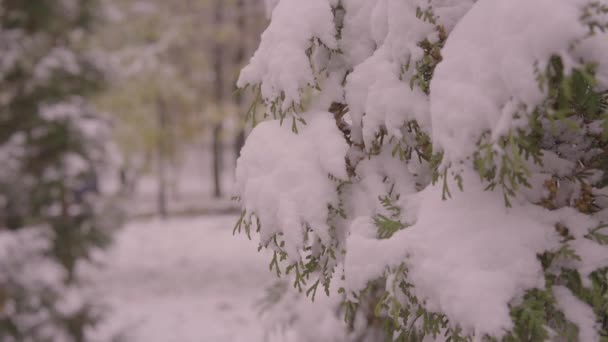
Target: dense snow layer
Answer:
pixel 488 258
pixel 469 256
pixel 280 64
pixel 577 312
pixel 488 71
pixel 286 184
pixel 186 280
pixel 378 90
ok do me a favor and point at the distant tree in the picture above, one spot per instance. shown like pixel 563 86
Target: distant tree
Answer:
pixel 180 51
pixel 219 95
pixel 53 152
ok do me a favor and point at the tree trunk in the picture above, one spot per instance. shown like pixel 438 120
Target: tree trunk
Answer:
pixel 241 24
pixel 162 157
pixel 219 98
pixel 217 160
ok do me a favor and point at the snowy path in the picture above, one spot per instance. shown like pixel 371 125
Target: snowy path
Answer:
pixel 184 280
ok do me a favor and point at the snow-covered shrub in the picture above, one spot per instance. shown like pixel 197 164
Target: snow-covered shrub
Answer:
pixel 441 161
pixel 35 302
pixel 53 145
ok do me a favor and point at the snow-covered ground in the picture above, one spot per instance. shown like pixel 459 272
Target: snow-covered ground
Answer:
pixel 183 280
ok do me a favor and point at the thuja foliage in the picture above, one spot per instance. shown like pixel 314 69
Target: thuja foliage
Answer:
pixel 52 148
pixel 571 124
pixel 574 104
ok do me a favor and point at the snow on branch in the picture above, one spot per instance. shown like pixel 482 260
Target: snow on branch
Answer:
pixel 467 160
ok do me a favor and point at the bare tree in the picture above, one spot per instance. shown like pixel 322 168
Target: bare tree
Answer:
pixel 162 148
pixel 218 63
pixel 241 24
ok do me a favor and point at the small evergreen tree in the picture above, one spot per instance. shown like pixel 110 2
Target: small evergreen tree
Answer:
pixel 52 146
pixel 440 164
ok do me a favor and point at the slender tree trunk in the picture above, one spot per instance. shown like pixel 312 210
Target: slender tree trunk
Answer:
pixel 217 161
pixel 161 157
pixel 219 98
pixel 241 24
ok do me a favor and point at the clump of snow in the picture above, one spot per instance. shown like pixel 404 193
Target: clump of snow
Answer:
pixel 577 312
pixel 490 56
pixel 378 91
pixel 593 257
pixel 474 251
pixel 283 177
pixel 357 38
pixel 377 98
pixel 488 258
pixel 280 65
pixel 362 200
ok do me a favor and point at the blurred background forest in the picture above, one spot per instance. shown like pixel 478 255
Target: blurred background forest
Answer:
pixel 114 113
pixel 177 119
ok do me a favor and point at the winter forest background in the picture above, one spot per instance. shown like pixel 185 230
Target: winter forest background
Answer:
pixel 119 131
pixel 303 170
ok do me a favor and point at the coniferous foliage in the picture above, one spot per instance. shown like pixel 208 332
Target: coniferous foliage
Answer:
pixel 437 165
pixel 53 213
